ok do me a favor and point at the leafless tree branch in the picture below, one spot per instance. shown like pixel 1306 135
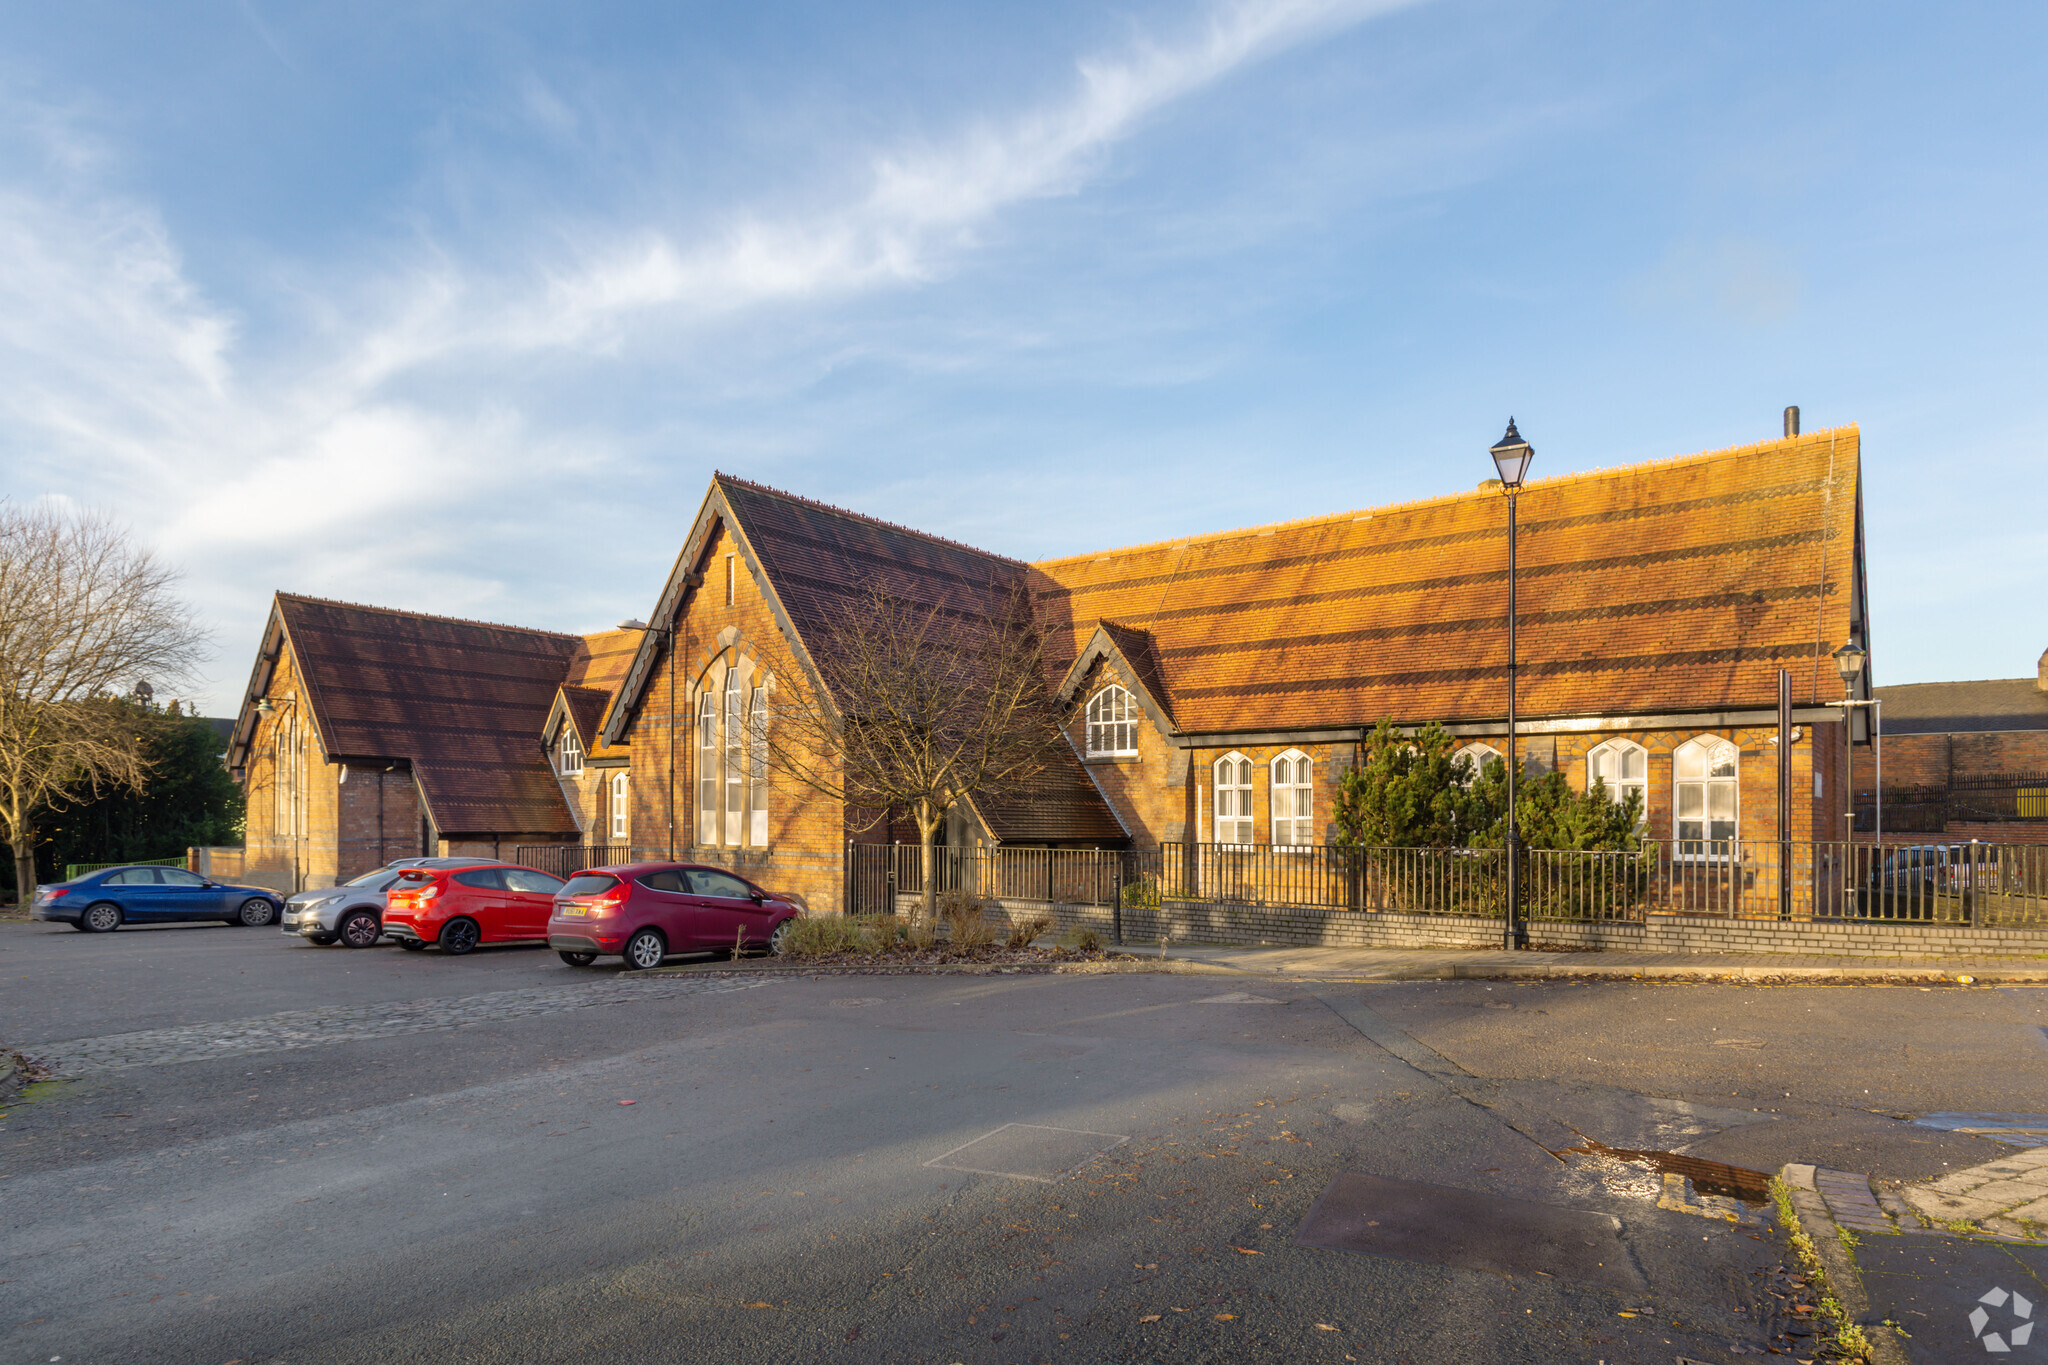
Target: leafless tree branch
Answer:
pixel 85 614
pixel 916 707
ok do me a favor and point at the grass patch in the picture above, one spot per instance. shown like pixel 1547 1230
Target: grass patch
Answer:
pixel 1847 1336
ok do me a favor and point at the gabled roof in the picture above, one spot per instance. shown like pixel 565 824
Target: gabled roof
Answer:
pixel 462 701
pixel 817 562
pixel 1962 707
pixel 1674 586
pixel 1134 651
pixel 595 672
pixel 822 559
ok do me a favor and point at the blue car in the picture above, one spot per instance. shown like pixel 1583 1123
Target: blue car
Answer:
pixel 100 902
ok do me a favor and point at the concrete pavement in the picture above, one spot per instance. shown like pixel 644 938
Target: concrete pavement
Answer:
pixel 1465 964
pixel 467 1180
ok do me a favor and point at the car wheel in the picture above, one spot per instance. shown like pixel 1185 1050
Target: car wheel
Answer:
pixel 458 936
pixel 359 929
pixel 778 940
pixel 255 912
pixel 645 949
pixel 103 918
pixel 412 945
pixel 577 959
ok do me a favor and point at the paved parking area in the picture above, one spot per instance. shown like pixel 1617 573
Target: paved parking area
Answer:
pixel 773 1173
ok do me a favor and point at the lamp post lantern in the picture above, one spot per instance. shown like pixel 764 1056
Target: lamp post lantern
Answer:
pixel 1511 456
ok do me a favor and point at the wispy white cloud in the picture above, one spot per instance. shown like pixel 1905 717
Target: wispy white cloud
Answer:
pixel 313 465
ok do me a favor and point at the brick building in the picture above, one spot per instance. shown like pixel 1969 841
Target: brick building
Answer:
pixel 1219 684
pixel 368 734
pixel 1965 759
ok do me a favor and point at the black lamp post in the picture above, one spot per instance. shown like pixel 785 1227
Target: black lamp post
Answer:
pixel 1511 456
pixel 1849 661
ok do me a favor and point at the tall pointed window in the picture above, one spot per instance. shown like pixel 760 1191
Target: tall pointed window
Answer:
pixel 735 756
pixel 707 766
pixel 1294 799
pixel 571 753
pixel 1112 722
pixel 757 767
pixel 1625 768
pixel 622 823
pixel 1233 799
pixel 1705 799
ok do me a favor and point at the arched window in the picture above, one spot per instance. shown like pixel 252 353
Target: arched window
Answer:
pixel 622 824
pixel 1481 755
pixel 571 753
pixel 1625 767
pixel 1112 722
pixel 1704 803
pixel 1233 819
pixel 707 766
pixel 757 767
pixel 735 756
pixel 1294 799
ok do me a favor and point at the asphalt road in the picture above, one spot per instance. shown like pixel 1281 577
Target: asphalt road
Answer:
pixel 477 1191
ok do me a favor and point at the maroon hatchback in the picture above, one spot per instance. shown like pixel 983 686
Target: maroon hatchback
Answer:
pixel 645 911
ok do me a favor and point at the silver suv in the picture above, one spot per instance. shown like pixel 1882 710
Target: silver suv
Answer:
pixel 353 912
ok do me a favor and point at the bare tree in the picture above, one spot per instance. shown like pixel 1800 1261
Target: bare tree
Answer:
pixel 915 706
pixel 85 614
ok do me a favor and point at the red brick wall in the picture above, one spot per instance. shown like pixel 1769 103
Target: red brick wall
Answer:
pixel 804 850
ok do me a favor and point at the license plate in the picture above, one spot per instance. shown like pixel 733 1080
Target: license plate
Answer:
pixel 575 912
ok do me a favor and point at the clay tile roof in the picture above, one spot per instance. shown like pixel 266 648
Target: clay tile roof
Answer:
pixel 595 673
pixel 1678 585
pixel 1060 805
pixel 822 559
pixel 1960 707
pixel 463 701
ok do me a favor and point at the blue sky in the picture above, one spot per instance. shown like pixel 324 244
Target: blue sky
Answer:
pixel 456 306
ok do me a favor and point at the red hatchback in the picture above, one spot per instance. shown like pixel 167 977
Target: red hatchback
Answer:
pixel 460 907
pixel 645 911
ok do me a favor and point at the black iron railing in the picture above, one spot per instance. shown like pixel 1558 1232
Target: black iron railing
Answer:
pixel 1989 885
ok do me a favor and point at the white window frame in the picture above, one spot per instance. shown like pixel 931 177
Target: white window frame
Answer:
pixel 1706 848
pixel 757 767
pixel 621 824
pixel 708 784
pixel 735 756
pixel 1479 752
pixel 1298 829
pixel 1113 723
pixel 1619 789
pixel 569 753
pixel 1240 786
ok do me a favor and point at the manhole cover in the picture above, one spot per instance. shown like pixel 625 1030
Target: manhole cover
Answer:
pixel 1411 1221
pixel 1029 1151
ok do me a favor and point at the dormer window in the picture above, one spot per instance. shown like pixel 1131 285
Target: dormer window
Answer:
pixel 1112 723
pixel 569 755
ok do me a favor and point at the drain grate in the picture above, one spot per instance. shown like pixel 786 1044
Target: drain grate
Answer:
pixel 1411 1221
pixel 1029 1151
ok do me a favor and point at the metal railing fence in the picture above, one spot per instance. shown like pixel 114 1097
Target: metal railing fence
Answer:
pixel 1981 884
pixel 81 869
pixel 566 860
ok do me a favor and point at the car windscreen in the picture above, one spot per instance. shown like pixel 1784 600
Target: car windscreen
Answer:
pixel 589 884
pixel 532 879
pixel 374 881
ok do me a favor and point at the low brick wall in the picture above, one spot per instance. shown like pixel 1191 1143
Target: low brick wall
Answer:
pixel 1256 926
